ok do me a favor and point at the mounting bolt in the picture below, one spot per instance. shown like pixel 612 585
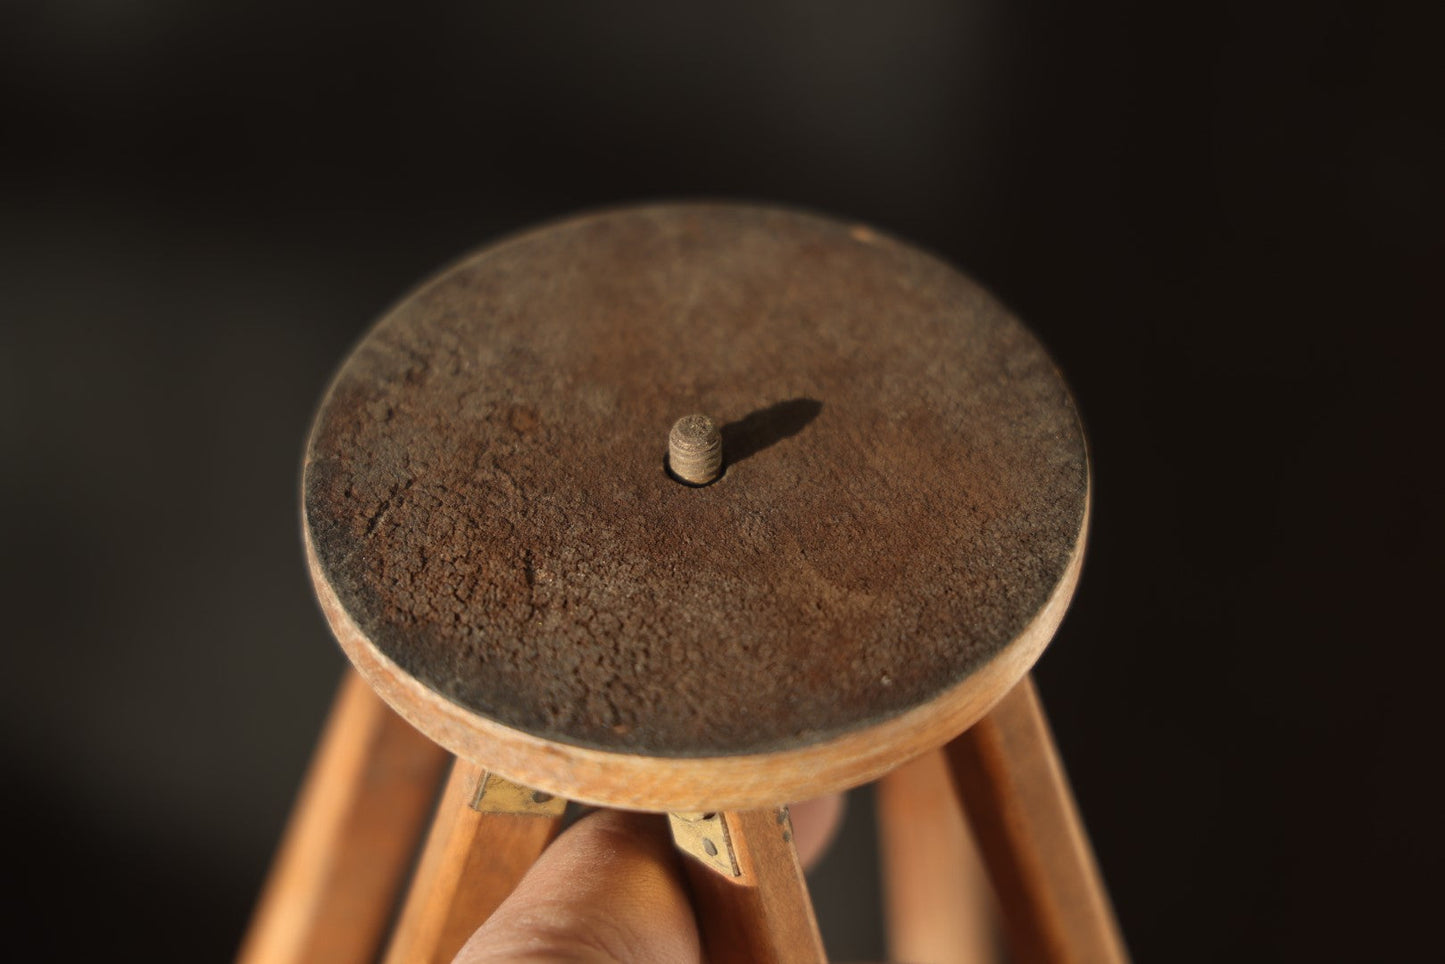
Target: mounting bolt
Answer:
pixel 694 450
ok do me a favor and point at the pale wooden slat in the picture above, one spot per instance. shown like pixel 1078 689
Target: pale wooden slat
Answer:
pixel 350 839
pixel 937 901
pixel 766 915
pixel 471 862
pixel 1054 905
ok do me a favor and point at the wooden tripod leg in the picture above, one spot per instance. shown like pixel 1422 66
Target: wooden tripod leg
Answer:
pixel 748 888
pixel 350 839
pixel 488 831
pixel 937 900
pixel 1028 829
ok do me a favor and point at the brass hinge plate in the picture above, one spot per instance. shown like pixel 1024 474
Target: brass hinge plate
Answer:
pixel 499 795
pixel 705 837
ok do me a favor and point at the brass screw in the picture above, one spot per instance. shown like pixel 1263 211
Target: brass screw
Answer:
pixel 694 449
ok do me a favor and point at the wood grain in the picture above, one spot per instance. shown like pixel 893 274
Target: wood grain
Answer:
pixel 350 839
pixel 765 916
pixel 471 862
pixel 938 903
pixel 500 550
pixel 1055 908
pixel 640 782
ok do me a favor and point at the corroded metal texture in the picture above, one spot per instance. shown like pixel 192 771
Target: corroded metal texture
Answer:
pixel 905 481
pixel 694 450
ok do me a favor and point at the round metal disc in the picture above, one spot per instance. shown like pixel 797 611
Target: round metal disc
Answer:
pixel 904 491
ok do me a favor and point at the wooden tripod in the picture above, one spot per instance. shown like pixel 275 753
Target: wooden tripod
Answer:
pixel 854 567
pixel 344 859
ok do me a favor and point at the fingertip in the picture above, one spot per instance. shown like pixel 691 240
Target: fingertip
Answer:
pixel 816 823
pixel 608 890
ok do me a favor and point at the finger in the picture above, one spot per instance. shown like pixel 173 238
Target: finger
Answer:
pixel 815 824
pixel 608 891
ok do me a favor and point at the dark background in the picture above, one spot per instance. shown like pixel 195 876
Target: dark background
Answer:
pixel 1222 219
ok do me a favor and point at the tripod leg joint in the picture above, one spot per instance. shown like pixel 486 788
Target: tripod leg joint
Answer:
pixel 707 838
pixel 496 794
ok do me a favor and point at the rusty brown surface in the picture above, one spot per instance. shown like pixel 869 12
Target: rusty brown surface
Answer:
pixel 906 480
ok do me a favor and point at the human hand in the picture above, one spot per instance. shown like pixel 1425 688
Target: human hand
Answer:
pixel 611 891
